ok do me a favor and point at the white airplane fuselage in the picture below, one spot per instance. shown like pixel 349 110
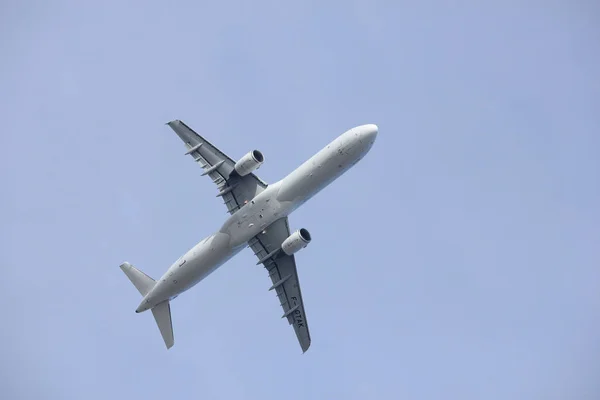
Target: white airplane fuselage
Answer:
pixel 277 201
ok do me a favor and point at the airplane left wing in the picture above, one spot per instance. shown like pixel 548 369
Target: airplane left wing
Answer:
pixel 235 189
pixel 284 276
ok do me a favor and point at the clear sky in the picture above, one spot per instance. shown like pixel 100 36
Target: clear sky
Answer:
pixel 460 259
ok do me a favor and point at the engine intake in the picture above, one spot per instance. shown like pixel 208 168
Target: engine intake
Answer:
pixel 249 162
pixel 296 241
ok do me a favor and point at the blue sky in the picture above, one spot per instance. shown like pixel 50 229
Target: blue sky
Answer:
pixel 459 259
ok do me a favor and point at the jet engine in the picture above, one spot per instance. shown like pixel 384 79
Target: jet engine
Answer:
pixel 249 162
pixel 296 241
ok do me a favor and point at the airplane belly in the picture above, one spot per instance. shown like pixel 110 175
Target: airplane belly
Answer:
pixel 253 217
pixel 205 258
pixel 195 265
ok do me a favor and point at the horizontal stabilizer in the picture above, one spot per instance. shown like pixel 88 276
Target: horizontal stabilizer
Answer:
pixel 140 280
pixel 162 315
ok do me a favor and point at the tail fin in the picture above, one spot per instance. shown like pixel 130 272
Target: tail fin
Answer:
pixel 140 280
pixel 162 316
pixel 162 311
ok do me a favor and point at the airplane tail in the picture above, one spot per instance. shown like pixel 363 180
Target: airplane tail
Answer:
pixel 162 316
pixel 142 282
pixel 162 311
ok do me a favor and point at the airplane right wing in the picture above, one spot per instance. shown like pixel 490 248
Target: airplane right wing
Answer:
pixel 234 188
pixel 284 276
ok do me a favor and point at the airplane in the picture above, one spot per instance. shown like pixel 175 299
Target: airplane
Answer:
pixel 258 219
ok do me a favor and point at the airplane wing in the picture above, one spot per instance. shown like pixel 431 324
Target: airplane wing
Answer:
pixel 283 274
pixel 234 189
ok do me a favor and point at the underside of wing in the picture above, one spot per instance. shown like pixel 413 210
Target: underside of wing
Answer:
pixel 284 276
pixel 235 187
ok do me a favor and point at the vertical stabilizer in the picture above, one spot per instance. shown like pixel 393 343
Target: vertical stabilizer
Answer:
pixel 162 311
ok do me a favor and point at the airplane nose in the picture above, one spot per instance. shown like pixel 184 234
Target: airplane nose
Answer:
pixel 369 131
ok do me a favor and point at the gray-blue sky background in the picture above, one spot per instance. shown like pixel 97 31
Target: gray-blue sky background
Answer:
pixel 459 259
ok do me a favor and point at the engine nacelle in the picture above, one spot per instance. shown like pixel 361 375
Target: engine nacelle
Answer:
pixel 249 162
pixel 296 241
